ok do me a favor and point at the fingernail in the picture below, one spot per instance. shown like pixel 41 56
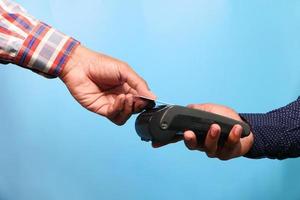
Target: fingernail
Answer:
pixel 213 134
pixel 238 131
pixel 188 135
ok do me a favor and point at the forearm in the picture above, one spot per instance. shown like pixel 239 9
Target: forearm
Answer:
pixel 30 43
pixel 276 133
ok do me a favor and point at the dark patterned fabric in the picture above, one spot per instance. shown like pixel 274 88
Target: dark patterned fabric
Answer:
pixel 276 133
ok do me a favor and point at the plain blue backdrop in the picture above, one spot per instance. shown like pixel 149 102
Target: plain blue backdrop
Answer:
pixel 244 54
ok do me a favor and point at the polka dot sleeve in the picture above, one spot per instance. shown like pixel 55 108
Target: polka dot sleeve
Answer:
pixel 276 133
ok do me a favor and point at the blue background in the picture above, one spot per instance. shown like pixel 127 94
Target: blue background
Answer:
pixel 244 54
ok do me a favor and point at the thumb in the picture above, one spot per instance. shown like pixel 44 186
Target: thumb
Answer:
pixel 198 106
pixel 147 93
pixel 137 83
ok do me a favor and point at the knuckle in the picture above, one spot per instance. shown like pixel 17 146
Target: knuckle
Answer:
pixel 189 147
pixel 210 155
pixel 223 158
pixel 119 123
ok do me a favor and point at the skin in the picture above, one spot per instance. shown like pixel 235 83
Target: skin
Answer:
pixel 235 146
pixel 108 87
pixel 104 85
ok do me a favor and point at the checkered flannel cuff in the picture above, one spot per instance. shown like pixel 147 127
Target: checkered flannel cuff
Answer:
pixel 45 51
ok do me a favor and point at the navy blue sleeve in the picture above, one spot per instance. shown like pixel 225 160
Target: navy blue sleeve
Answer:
pixel 276 133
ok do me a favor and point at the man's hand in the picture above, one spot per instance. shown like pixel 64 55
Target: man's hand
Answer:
pixel 104 85
pixel 235 146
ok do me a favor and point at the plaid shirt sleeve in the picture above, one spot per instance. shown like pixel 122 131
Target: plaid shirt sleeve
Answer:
pixel 32 44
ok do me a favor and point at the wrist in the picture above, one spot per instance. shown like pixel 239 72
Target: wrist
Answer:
pixel 73 60
pixel 80 59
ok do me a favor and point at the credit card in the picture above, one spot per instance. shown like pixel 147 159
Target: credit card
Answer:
pixel 153 100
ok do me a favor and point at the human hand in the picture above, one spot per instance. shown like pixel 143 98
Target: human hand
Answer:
pixel 235 146
pixel 104 85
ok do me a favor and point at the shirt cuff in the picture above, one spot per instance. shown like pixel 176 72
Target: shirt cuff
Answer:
pixel 258 148
pixel 45 51
pixel 273 138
